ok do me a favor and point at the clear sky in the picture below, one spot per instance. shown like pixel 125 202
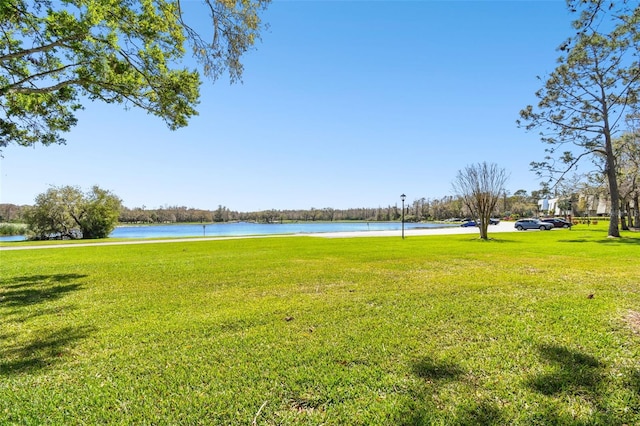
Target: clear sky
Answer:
pixel 343 104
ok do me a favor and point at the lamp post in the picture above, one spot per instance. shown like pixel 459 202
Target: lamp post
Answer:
pixel 403 197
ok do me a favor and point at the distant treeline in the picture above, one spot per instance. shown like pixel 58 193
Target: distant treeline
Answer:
pixel 419 210
pixel 223 214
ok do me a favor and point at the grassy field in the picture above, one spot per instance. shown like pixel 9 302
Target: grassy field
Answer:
pixel 529 328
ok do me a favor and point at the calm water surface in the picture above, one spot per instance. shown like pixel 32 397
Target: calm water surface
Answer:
pixel 248 228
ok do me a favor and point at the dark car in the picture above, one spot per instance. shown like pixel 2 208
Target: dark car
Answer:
pixel 469 223
pixel 533 224
pixel 558 222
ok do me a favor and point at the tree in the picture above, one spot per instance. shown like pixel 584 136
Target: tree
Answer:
pixel 68 213
pixel 521 204
pixel 55 55
pixel 99 213
pixel 480 187
pixel 627 149
pixel 585 100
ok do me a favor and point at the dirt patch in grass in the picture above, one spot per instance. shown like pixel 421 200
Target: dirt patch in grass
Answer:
pixel 633 320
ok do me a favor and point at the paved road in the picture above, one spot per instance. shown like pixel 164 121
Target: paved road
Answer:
pixel 501 227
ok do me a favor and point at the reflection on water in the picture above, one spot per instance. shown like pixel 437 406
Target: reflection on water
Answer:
pixel 248 228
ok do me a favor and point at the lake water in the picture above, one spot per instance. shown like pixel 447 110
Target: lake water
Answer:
pixel 248 228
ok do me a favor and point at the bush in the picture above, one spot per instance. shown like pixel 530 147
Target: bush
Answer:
pixel 11 229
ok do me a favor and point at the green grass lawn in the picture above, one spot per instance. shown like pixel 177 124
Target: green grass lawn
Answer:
pixel 304 330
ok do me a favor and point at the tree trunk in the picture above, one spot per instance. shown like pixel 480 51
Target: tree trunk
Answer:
pixel 636 211
pixel 623 216
pixel 484 215
pixel 484 225
pixel 614 193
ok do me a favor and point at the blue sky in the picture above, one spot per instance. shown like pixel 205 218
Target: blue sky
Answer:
pixel 343 104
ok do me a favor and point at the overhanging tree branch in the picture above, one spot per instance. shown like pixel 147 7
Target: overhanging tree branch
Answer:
pixel 122 53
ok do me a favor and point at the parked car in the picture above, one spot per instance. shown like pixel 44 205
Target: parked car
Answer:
pixel 533 224
pixel 469 222
pixel 558 222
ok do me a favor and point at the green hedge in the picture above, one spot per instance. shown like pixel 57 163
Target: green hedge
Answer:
pixel 10 229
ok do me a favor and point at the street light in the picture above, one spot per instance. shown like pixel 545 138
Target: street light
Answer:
pixel 403 197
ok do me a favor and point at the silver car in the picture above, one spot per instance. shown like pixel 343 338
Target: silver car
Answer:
pixel 533 224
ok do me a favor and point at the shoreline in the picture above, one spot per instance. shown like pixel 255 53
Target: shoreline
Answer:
pixel 499 228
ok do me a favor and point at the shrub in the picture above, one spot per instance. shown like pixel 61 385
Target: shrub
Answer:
pixel 11 229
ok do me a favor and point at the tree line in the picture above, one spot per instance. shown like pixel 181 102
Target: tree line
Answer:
pixel 520 203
